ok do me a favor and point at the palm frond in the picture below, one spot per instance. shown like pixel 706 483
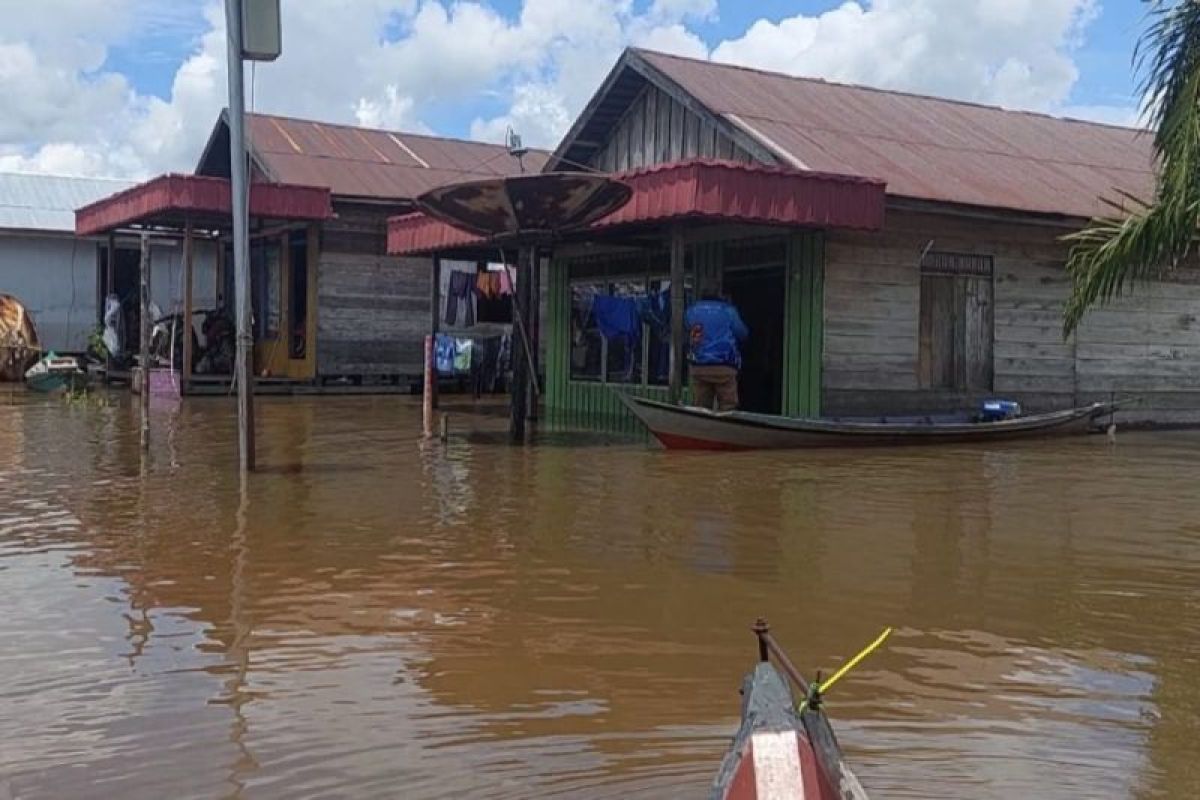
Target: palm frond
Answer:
pixel 1110 254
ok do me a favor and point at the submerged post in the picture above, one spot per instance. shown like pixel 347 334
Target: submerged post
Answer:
pixel 675 388
pixel 241 246
pixel 427 394
pixel 144 346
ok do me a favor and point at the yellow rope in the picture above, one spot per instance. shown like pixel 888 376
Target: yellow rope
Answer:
pixel 849 665
pixel 818 689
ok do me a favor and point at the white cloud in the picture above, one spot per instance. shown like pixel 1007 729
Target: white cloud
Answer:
pixel 399 63
pixel 1015 53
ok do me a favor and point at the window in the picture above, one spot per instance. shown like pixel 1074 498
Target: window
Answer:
pixel 587 345
pixel 956 330
pixel 620 330
pixel 266 289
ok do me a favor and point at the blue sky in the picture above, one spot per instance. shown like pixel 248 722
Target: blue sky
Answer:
pixel 1104 59
pixel 132 86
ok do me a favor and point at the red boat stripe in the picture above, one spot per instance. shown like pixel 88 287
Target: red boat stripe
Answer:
pixel 673 441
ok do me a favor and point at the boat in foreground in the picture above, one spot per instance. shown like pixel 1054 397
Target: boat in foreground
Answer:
pixel 688 428
pixel 783 750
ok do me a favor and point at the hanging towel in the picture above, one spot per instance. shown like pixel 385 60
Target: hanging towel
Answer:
pixel 655 310
pixel 443 354
pixel 618 319
pixel 505 284
pixel 462 356
pixel 459 294
pixel 616 316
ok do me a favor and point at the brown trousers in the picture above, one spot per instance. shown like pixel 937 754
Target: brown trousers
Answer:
pixel 714 382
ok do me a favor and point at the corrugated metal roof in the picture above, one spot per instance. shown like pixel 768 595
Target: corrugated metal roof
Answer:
pixel 926 148
pixel 48 202
pixel 377 164
pixel 173 200
pixel 698 189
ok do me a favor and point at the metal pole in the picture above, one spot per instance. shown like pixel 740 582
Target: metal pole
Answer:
pixel 241 243
pixel 677 310
pixel 144 317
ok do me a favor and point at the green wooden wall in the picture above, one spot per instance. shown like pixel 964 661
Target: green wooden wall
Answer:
pixel 594 405
pixel 585 404
pixel 804 333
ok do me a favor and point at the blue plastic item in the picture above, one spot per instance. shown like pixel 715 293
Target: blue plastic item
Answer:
pixel 996 410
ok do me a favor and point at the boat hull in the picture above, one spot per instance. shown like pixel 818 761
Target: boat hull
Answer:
pixel 781 753
pixel 53 373
pixel 686 428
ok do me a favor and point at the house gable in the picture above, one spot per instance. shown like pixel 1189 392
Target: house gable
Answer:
pixel 640 117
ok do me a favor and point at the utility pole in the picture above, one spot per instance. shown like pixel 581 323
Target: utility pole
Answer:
pixel 252 30
pixel 244 370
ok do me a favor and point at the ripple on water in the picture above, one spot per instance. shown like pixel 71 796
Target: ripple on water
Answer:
pixel 379 616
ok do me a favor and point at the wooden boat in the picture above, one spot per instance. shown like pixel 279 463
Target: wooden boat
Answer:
pixel 18 339
pixel 687 428
pixel 55 372
pixel 783 750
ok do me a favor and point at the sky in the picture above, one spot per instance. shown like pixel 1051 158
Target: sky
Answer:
pixel 131 88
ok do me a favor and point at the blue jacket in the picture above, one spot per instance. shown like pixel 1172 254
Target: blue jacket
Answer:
pixel 714 329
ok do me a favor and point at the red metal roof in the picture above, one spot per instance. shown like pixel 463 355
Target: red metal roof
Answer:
pixel 926 148
pixel 171 199
pixel 377 164
pixel 699 189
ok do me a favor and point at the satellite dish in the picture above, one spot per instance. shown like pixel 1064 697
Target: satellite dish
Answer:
pixel 528 207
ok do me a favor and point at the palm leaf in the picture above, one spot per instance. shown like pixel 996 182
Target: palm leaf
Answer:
pixel 1110 254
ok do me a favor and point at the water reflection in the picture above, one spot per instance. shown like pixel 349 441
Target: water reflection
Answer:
pixel 372 615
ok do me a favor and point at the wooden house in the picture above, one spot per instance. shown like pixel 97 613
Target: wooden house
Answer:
pixel 942 285
pixel 331 308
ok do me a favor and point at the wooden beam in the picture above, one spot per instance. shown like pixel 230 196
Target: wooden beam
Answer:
pixel 188 250
pixel 144 320
pixel 435 317
pixel 535 324
pixel 675 389
pixel 520 355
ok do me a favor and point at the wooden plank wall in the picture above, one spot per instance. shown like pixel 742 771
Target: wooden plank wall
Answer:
pixel 372 309
pixel 656 129
pixel 1147 344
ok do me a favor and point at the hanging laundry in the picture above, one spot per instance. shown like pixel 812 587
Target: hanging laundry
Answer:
pixel 487 285
pixel 618 320
pixel 459 295
pixel 486 365
pixel 616 316
pixel 462 356
pixel 443 354
pixel 506 285
pixel 655 310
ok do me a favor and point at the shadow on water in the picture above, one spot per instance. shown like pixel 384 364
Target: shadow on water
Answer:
pixel 374 613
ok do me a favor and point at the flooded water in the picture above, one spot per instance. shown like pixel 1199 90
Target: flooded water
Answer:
pixel 377 617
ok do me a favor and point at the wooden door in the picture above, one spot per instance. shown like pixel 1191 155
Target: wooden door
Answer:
pixel 978 334
pixel 956 331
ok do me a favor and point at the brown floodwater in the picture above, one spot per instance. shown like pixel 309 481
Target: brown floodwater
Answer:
pixel 376 616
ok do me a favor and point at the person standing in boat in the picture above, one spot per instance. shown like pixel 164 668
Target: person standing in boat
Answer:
pixel 714 329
